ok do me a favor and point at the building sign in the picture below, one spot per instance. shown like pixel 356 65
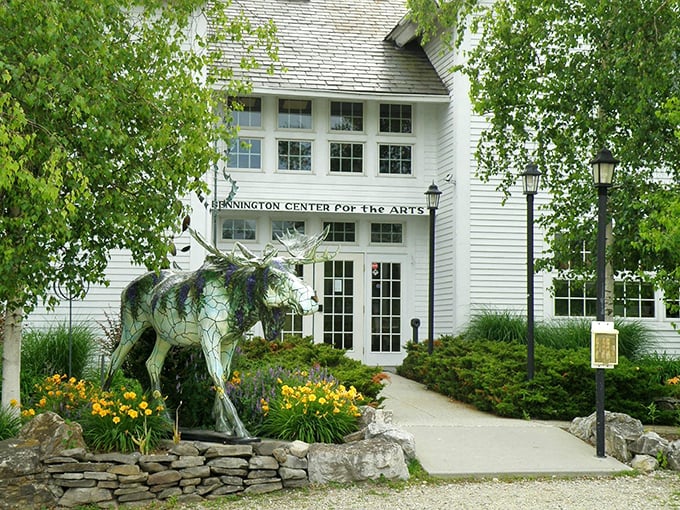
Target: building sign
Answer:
pixel 604 348
pixel 317 207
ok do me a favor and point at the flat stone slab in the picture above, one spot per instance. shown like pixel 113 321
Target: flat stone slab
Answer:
pixel 211 436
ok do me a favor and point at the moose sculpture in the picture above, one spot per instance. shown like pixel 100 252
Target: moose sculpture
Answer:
pixel 214 306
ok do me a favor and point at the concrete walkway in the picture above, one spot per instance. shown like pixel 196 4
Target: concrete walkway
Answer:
pixel 454 440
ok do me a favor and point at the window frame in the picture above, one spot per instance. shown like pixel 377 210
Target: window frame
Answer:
pixel 240 152
pixel 305 121
pixel 293 225
pixel 399 161
pixel 351 116
pixel 246 112
pixel 402 233
pixel 294 157
pixel 341 158
pixel 395 115
pixel 243 229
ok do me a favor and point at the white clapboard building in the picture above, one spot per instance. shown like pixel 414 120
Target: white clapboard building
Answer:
pixel 355 124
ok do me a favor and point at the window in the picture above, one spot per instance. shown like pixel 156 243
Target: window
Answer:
pixel 295 155
pixel 347 116
pixel 575 298
pixel 389 233
pixel 347 157
pixel 239 229
pixel 340 232
pixel 385 307
pixel 295 114
pixel 292 322
pixel 246 111
pixel 395 159
pixel 633 299
pixel 672 308
pixel 280 228
pixel 395 118
pixel 245 153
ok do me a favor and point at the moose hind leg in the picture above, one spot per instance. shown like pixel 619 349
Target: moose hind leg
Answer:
pixel 154 364
pixel 131 331
pixel 226 417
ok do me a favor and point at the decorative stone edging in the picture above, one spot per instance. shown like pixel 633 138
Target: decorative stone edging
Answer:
pixel 48 465
pixel 188 471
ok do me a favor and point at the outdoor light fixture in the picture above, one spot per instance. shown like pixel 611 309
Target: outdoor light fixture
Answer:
pixel 603 174
pixel 530 180
pixel 603 168
pixel 432 195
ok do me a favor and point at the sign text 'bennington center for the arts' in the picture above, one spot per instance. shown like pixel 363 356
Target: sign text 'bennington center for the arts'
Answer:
pixel 256 205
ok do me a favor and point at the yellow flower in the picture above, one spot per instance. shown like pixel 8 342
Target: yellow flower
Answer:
pixel 13 402
pixel 322 401
pixel 116 420
pixel 311 397
pixel 132 414
pixel 147 412
pixel 143 405
pixel 129 395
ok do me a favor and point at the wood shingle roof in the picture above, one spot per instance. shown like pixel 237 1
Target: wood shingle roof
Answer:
pixel 339 46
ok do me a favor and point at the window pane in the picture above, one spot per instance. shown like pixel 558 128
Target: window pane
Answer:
pixel 245 153
pixel 246 111
pixel 295 155
pixel 395 118
pixel 280 228
pixel 395 159
pixel 295 113
pixel 346 157
pixel 239 229
pixel 347 116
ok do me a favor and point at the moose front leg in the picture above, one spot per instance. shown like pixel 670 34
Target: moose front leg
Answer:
pixel 226 417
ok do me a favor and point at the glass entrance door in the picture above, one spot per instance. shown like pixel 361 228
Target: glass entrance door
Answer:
pixel 342 322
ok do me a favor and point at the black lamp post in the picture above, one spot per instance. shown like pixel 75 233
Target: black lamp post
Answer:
pixel 530 180
pixel 603 174
pixel 432 195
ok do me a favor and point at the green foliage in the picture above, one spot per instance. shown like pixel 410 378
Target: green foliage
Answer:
pixel 10 423
pixel 314 412
pixel 257 365
pixel 557 81
pixel 107 121
pixel 491 375
pixel 297 353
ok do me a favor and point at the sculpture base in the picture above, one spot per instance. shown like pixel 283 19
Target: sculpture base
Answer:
pixel 212 436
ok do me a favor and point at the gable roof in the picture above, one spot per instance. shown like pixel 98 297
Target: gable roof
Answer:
pixel 339 46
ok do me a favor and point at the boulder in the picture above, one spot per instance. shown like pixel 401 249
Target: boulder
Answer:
pixel 649 443
pixel 395 435
pixel 369 459
pixel 619 429
pixel 673 455
pixel 53 434
pixel 644 463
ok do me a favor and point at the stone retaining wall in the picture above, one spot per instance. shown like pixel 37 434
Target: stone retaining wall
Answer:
pixel 188 471
pixel 48 465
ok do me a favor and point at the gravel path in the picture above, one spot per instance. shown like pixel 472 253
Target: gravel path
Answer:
pixel 660 490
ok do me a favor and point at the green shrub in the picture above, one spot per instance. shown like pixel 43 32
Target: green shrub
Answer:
pixel 491 375
pixel 185 377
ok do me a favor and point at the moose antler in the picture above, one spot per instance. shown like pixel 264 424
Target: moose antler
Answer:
pixel 302 249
